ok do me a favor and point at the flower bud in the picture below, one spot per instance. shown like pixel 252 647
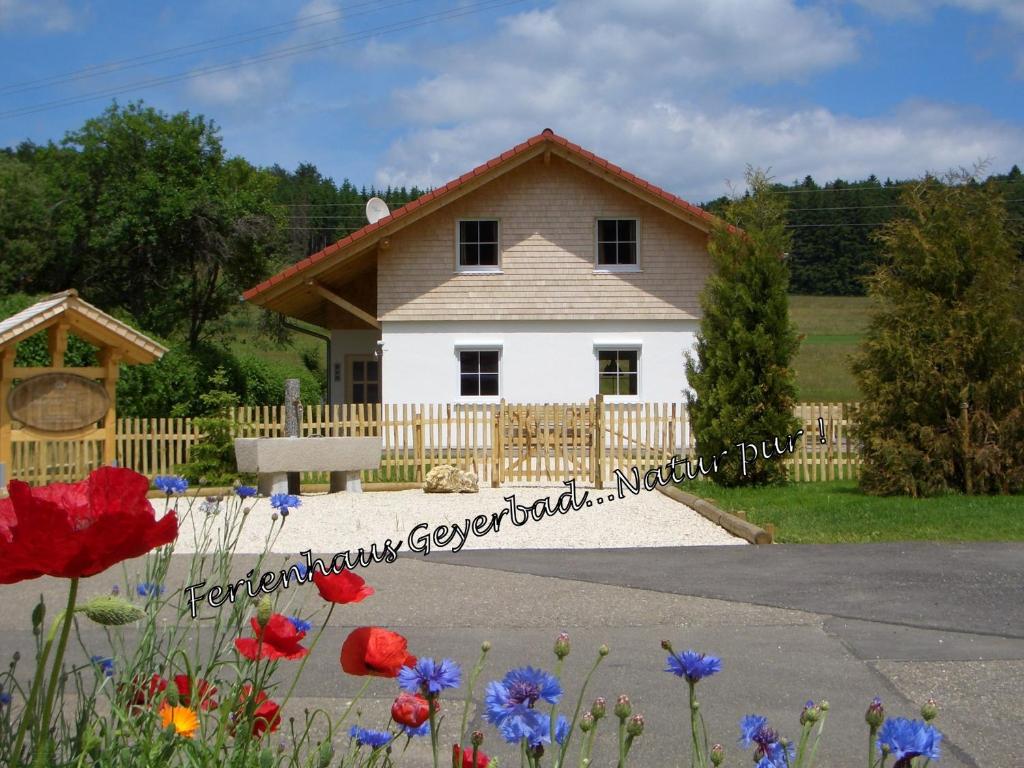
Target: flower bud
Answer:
pixel 930 710
pixel 171 696
pixel 38 615
pixel 485 646
pixel 111 611
pixel 603 651
pixel 811 713
pixel 717 755
pixel 599 708
pixel 537 750
pixel 666 646
pixel 823 705
pixel 562 645
pixel 326 754
pixel 264 610
pixel 586 722
pixel 875 715
pixel 16 656
pixel 273 517
pixel 476 738
pixel 635 726
pixel 623 708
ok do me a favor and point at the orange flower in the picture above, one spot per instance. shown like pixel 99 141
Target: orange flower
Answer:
pixel 183 719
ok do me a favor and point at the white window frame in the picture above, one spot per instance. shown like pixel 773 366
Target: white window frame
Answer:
pixel 479 346
pixel 607 268
pixel 619 346
pixel 479 269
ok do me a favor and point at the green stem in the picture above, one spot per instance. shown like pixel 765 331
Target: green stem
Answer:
pixel 622 743
pixel 817 740
pixel 43 724
pixel 37 680
pixel 359 695
pixel 698 758
pixel 302 664
pixel 871 746
pixel 469 694
pixel 576 714
pixel 433 729
pixel 802 746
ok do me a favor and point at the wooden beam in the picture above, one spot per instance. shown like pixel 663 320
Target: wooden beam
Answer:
pixel 57 343
pixel 348 306
pixel 6 376
pixel 109 359
pixel 22 373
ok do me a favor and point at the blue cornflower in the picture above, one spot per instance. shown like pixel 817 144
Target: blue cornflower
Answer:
pixel 5 698
pixel 907 739
pixel 285 503
pixel 299 624
pixel 300 570
pixel 423 730
pixel 510 704
pixel 245 491
pixel 692 665
pixel 750 728
pixel 170 484
pixel 148 589
pixel 430 677
pixel 105 664
pixel 776 756
pixel 372 739
pixel 561 729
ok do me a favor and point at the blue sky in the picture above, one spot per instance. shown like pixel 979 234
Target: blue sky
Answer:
pixel 683 92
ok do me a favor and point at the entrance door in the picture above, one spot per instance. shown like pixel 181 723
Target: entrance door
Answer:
pixel 363 380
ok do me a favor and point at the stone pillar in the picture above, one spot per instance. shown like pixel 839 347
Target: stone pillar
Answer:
pixel 292 424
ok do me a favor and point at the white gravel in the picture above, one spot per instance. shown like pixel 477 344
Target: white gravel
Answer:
pixel 347 521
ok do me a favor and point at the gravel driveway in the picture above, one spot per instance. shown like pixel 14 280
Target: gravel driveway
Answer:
pixel 347 521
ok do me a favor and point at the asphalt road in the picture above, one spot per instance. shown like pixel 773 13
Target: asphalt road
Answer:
pixel 790 622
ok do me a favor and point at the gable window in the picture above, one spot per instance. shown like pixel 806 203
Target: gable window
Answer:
pixel 478 372
pixel 616 243
pixel 478 245
pixel 618 371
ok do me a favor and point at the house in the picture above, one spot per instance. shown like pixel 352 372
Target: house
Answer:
pixel 547 274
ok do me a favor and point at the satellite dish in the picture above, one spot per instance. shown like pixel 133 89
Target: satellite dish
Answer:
pixel 376 209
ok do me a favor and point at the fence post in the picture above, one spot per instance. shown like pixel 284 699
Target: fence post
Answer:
pixel 417 442
pixel 598 441
pixel 497 439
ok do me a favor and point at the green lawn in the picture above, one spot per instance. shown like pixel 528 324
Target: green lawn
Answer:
pixel 837 512
pixel 832 327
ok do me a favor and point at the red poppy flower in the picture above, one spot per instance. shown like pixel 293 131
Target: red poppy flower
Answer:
pixel 482 760
pixel 344 587
pixel 267 713
pixel 375 651
pixel 145 692
pixel 204 693
pixel 78 529
pixel 411 709
pixel 278 640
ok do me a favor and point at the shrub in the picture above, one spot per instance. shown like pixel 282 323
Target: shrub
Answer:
pixel 211 460
pixel 942 362
pixel 742 382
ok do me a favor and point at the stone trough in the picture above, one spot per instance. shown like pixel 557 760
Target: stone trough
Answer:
pixel 272 458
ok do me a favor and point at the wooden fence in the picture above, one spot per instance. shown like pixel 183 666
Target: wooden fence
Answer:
pixel 501 443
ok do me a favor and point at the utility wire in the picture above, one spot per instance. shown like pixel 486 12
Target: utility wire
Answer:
pixel 213 43
pixel 412 23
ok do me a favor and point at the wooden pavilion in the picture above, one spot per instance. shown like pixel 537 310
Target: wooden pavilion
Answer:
pixel 57 403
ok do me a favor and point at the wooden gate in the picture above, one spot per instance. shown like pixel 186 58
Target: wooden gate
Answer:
pixel 548 442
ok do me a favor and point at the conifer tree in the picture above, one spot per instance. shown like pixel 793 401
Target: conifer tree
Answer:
pixel 212 458
pixel 742 383
pixel 942 365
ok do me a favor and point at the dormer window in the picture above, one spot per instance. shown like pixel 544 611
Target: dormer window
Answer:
pixel 617 244
pixel 477 246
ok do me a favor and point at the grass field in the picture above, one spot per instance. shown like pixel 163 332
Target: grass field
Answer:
pixel 832 327
pixel 837 512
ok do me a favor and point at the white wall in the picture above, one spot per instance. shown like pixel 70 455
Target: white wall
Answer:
pixel 347 343
pixel 541 361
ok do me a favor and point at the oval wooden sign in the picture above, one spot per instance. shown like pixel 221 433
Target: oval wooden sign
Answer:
pixel 58 402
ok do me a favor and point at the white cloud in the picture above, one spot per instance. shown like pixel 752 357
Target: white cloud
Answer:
pixel 31 16
pixel 648 84
pixel 694 151
pixel 1009 10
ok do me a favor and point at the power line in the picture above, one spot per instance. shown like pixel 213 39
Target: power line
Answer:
pixel 180 51
pixel 417 21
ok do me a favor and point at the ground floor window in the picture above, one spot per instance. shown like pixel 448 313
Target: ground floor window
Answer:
pixel 478 372
pixel 618 371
